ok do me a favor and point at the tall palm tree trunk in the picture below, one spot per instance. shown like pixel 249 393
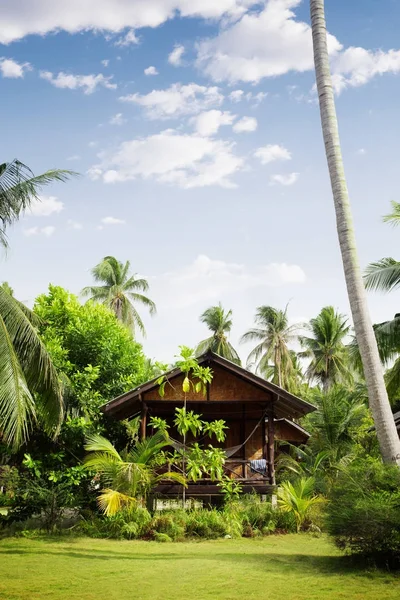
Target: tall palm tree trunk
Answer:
pixel 378 400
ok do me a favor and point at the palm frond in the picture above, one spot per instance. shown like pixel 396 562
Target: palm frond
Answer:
pixel 111 502
pixel 383 275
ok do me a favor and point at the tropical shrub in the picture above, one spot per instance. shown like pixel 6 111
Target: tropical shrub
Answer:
pixel 255 516
pixel 297 499
pixel 363 514
pixel 209 524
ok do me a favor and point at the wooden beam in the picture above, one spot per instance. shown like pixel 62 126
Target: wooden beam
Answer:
pixel 264 440
pixel 143 421
pixel 271 446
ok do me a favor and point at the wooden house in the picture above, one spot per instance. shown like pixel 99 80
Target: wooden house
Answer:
pixel 256 412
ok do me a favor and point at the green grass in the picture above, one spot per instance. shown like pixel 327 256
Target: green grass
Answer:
pixel 274 568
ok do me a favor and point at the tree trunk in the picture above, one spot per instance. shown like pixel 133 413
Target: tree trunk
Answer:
pixel 378 400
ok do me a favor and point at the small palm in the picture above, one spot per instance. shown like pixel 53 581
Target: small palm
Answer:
pixel 120 291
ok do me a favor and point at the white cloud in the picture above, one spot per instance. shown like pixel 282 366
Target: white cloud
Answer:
pixel 266 43
pixel 288 179
pixel 18 19
pixel 271 152
pixel 12 69
pixel 207 280
pixel 151 71
pixel 46 231
pixel 88 83
pixel 129 38
pixel 175 57
pixel 245 124
pixel 74 224
pixel 105 62
pixel 184 160
pixel 361 151
pixel 112 221
pixel 236 95
pixel 208 122
pixel 177 100
pixel 45 206
pixel 117 119
pixel 74 157
pixel 93 144
pixel 357 66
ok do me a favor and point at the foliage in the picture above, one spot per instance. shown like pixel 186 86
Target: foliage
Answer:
pixel 119 291
pixel 325 347
pixel 219 322
pixel 130 476
pixel 363 515
pixel 231 489
pixel 29 384
pixel 256 517
pixel 19 187
pixel 297 498
pixel 334 424
pixel 272 356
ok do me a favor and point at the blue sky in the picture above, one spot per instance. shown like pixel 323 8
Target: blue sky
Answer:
pixel 206 171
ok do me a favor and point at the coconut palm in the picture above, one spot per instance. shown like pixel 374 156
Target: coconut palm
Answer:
pixel 298 498
pixel 271 356
pixel 384 275
pixel 378 399
pixel 29 386
pixel 19 187
pixel 325 347
pixel 219 322
pixel 129 476
pixel 119 291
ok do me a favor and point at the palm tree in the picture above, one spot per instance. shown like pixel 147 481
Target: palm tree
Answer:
pixel 19 187
pixel 129 476
pixel 271 356
pixel 219 323
pixel 119 290
pixel 29 386
pixel 329 361
pixel 378 399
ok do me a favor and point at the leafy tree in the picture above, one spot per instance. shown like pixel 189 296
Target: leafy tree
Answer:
pixel 129 476
pixel 272 356
pixel 378 398
pixel 120 291
pixel 219 322
pixel 326 349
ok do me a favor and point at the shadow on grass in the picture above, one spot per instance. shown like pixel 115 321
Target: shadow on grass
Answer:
pixel 292 564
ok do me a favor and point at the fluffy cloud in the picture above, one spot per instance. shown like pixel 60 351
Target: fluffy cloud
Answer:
pixel 45 206
pixel 236 95
pixel 187 161
pixel 288 179
pixel 206 280
pixel 117 119
pixel 245 124
pixel 209 122
pixel 271 152
pixel 175 57
pixel 266 43
pixel 88 83
pixel 129 38
pixel 177 100
pixel 105 62
pixel 12 69
pixel 112 221
pixel 357 66
pixel 46 231
pixel 18 19
pixel 151 71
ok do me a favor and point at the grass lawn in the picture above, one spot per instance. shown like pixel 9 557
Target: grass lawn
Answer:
pixel 274 568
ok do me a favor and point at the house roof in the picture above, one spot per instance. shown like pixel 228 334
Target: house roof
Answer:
pixel 294 425
pixel 286 404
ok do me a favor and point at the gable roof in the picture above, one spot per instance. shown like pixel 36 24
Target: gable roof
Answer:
pixel 286 404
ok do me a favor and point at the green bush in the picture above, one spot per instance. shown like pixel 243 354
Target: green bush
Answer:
pixel 172 524
pixel 128 525
pixel 363 514
pixel 209 524
pixel 255 516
